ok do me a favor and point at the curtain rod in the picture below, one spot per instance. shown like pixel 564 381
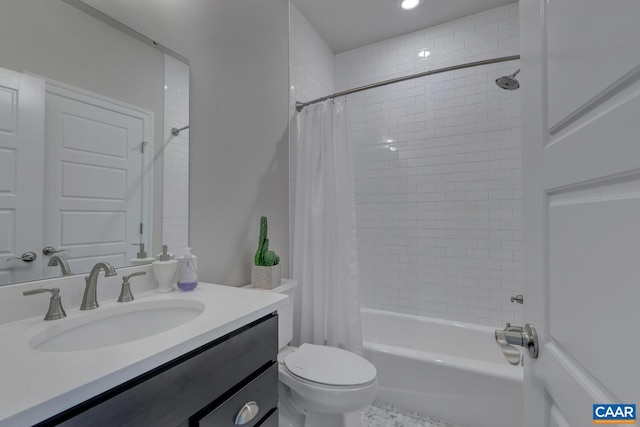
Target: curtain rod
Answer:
pixel 301 105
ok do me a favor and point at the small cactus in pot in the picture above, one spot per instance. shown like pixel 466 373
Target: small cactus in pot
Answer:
pixel 266 270
pixel 264 256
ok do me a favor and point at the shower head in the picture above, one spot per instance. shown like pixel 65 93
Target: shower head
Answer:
pixel 509 82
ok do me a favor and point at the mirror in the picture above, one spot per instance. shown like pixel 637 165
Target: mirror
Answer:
pixel 88 162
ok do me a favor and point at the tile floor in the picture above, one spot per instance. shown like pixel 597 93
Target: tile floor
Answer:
pixel 390 416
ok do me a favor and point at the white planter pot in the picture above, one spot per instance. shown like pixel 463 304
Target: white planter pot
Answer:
pixel 265 277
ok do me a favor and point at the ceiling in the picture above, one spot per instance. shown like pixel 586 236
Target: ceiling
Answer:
pixel 346 25
pixel 343 24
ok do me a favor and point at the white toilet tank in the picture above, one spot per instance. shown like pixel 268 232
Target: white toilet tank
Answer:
pixel 285 314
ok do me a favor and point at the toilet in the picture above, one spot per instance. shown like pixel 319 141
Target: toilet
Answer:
pixel 320 386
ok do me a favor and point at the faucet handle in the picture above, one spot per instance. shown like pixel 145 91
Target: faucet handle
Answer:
pixel 125 293
pixel 55 303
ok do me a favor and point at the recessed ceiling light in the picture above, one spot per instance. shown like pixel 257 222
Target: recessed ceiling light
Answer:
pixel 409 4
pixel 424 53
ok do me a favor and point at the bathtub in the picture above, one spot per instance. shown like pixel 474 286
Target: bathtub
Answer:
pixel 449 370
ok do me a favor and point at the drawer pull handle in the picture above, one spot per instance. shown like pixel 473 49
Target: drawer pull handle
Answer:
pixel 247 413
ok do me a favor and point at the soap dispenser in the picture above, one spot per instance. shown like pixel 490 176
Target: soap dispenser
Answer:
pixel 187 275
pixel 164 271
pixel 141 256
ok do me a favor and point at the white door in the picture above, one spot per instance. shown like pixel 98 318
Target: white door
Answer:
pixel 97 190
pixel 581 214
pixel 21 175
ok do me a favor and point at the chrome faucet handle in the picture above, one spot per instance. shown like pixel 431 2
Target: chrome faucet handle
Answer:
pixel 125 293
pixel 50 250
pixel 55 303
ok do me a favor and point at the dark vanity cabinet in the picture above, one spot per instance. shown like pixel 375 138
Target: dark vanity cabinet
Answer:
pixel 206 387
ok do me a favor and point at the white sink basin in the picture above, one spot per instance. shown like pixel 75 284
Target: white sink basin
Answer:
pixel 110 326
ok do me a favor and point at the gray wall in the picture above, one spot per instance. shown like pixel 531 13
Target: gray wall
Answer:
pixel 55 40
pixel 238 137
pixel 239 140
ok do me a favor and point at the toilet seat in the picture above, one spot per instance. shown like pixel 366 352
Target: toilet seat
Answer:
pixel 330 366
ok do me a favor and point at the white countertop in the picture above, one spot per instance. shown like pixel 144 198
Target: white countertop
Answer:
pixel 35 385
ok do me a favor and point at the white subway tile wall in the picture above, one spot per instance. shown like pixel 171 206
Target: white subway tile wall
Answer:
pixel 175 201
pixel 437 166
pixel 311 75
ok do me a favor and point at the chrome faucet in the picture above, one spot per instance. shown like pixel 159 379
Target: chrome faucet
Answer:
pixel 62 262
pixel 513 336
pixel 89 300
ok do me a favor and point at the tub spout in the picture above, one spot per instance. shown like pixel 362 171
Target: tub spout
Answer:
pixel 512 336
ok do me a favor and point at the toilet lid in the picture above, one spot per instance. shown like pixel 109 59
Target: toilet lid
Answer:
pixel 329 365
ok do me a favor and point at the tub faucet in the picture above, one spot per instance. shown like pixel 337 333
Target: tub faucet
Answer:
pixel 89 300
pixel 62 262
pixel 519 336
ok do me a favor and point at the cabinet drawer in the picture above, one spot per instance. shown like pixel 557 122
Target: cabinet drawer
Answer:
pixel 263 391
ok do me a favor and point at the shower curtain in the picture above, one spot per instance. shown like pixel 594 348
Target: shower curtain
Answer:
pixel 327 306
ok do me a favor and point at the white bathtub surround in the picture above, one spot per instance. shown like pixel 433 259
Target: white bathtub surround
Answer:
pixel 390 416
pixel 437 164
pixel 450 370
pixel 327 309
pixel 438 171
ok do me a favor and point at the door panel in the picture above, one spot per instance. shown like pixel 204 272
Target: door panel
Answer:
pixel 6 230
pixel 589 141
pixel 585 54
pixel 88 181
pixel 581 233
pixel 573 389
pixel 90 135
pixel 8 170
pixel 21 174
pixel 8 105
pixel 594 244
